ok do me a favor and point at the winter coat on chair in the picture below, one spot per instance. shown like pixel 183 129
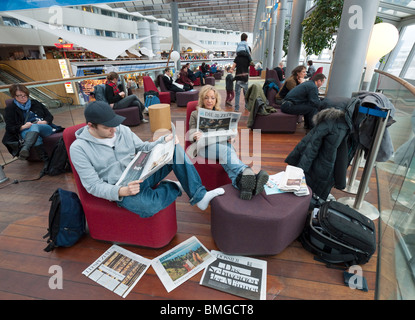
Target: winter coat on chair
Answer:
pixel 326 151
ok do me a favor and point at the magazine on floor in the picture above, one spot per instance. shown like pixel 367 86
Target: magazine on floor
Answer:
pixel 118 270
pixel 145 164
pixel 181 263
pixel 242 276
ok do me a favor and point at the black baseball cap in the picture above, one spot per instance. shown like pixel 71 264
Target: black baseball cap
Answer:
pixel 100 112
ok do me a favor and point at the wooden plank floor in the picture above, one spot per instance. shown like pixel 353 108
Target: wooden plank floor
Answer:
pixel 24 266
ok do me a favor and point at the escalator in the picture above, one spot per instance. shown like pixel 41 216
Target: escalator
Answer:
pixel 9 75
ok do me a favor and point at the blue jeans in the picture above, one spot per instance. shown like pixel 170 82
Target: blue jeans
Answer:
pixel 43 130
pixel 199 75
pixel 238 85
pixel 149 201
pixel 225 153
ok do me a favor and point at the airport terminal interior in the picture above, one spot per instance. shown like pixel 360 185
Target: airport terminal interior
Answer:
pixel 62 51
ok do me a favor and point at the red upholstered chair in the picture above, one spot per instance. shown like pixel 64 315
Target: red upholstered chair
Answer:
pixel 164 89
pixel 108 222
pixel 253 72
pixel 149 85
pixel 196 82
pixel 212 174
pixel 319 70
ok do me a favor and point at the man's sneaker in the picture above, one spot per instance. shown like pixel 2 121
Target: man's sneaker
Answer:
pixel 246 184
pixel 261 180
pixel 144 120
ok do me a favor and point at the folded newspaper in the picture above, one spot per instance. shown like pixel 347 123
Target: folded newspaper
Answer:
pixel 145 163
pixel 290 180
pixel 242 276
pixel 216 126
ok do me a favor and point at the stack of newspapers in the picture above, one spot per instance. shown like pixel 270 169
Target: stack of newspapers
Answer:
pixel 290 180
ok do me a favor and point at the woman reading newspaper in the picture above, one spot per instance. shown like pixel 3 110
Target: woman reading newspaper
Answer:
pixel 242 176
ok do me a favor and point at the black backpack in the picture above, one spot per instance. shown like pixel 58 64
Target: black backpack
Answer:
pixel 338 234
pixel 59 161
pixel 66 220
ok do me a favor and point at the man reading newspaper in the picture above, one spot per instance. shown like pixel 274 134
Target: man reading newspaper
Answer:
pixel 104 148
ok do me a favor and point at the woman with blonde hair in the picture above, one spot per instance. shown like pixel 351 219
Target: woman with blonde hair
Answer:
pixel 242 176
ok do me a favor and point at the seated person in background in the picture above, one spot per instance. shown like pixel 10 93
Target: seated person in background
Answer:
pixel 213 68
pixel 304 100
pixel 29 119
pixel 242 176
pixel 184 79
pixel 205 69
pixel 242 48
pixel 296 78
pixel 169 83
pixel 102 150
pixel 280 71
pixel 311 69
pixel 117 98
pixel 258 67
pixel 194 75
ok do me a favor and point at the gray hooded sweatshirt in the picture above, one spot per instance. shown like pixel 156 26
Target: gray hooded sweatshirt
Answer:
pixel 100 166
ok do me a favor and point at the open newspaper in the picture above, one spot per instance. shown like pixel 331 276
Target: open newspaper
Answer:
pixel 145 163
pixel 216 126
pixel 118 270
pixel 217 123
pixel 181 263
pixel 242 276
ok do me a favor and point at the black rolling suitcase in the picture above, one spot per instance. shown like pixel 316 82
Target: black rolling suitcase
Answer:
pixel 338 234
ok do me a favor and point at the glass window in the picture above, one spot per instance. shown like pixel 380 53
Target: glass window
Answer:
pixel 404 47
pixel 410 73
pixel 12 22
pixel 107 13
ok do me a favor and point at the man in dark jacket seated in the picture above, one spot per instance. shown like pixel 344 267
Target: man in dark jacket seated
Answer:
pixel 304 100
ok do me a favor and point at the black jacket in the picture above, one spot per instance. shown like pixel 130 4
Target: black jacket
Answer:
pixel 326 151
pixel 304 93
pixel 14 118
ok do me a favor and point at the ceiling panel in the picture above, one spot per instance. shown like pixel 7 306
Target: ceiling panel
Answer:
pixel 237 15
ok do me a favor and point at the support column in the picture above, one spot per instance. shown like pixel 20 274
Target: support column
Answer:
pixel 296 32
pixel 271 46
pixel 353 38
pixel 267 27
pixel 175 30
pixel 279 33
pixel 42 53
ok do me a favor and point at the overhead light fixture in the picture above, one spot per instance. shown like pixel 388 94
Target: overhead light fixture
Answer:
pixel 383 39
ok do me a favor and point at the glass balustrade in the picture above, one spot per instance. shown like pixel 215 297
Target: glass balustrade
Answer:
pixel 396 184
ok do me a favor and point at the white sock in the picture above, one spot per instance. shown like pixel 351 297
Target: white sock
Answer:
pixel 204 203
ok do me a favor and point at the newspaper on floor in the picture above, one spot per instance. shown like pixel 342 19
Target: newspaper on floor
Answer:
pixel 242 276
pixel 181 263
pixel 145 164
pixel 118 270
